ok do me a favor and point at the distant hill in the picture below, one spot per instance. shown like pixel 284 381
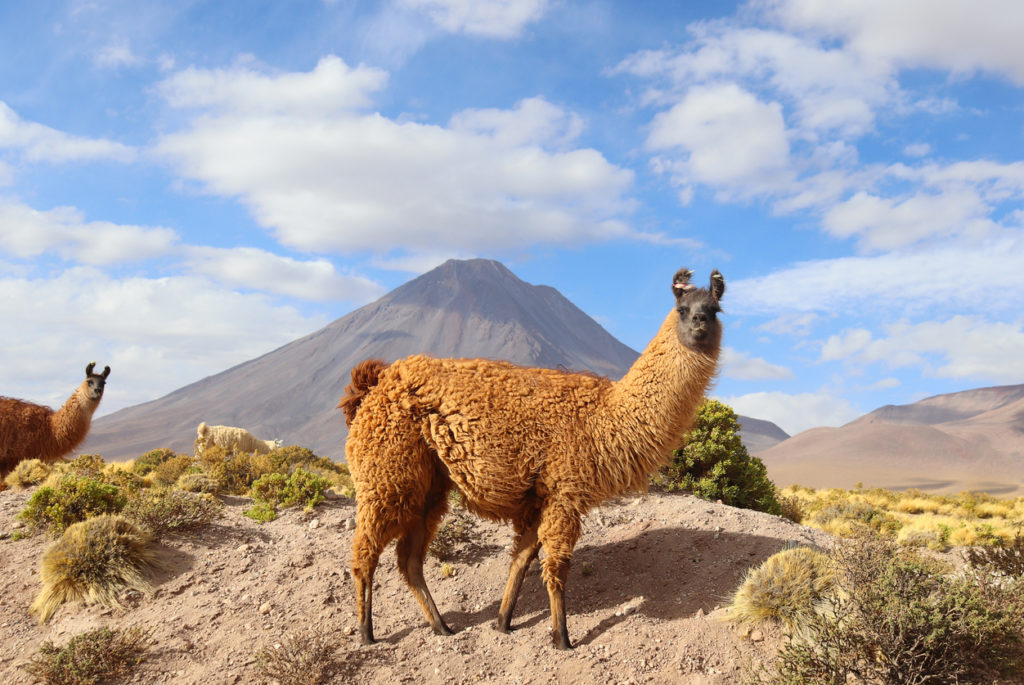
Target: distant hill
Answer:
pixel 958 441
pixel 472 308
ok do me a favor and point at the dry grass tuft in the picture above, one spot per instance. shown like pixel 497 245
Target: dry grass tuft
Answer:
pixel 788 588
pixel 27 474
pixel 306 659
pixel 94 561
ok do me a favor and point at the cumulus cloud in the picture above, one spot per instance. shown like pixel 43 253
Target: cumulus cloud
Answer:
pixel 794 413
pixel 312 280
pixel 39 143
pixel 967 347
pixel 741 366
pixel 115 55
pixel 26 232
pixel 155 333
pixel 503 19
pixel 346 181
pixel 944 34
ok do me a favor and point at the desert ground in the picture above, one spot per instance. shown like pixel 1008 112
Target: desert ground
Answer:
pixel 645 600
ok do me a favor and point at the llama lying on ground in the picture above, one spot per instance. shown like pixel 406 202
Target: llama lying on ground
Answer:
pixel 32 431
pixel 231 438
pixel 536 447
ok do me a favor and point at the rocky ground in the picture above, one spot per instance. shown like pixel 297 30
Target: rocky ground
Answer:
pixel 645 595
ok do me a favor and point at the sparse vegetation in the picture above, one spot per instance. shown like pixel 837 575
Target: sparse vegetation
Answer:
pixel 150 460
pixel 197 482
pixel 168 471
pixel 90 658
pixel 899 618
pixel 1006 559
pixel 714 464
pixel 94 561
pixel 306 659
pixel 913 518
pixel 457 528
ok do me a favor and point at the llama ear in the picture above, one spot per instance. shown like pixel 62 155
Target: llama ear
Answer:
pixel 106 372
pixel 717 285
pixel 89 368
pixel 681 282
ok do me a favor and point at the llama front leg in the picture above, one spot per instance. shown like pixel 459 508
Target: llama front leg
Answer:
pixel 524 551
pixel 559 530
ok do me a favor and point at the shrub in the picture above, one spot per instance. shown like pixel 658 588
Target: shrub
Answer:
pixel 74 498
pixel 90 658
pixel 843 517
pixel 164 512
pixel 275 489
pixel 714 464
pixel 1004 558
pixel 27 473
pixel 196 482
pixel 458 528
pixel 898 618
pixel 235 472
pixel 307 659
pixel 150 460
pixel 93 561
pixel 167 472
pixel 788 588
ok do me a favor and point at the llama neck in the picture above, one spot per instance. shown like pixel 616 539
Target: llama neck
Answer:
pixel 71 422
pixel 654 404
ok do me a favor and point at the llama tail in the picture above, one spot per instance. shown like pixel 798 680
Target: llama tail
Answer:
pixel 365 375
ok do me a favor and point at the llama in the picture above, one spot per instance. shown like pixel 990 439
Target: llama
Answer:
pixel 231 438
pixel 32 431
pixel 535 447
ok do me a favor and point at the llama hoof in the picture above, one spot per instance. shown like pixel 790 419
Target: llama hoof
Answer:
pixel 562 642
pixel 502 626
pixel 443 629
pixel 366 638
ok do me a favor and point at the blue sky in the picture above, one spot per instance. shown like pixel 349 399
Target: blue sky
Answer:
pixel 188 185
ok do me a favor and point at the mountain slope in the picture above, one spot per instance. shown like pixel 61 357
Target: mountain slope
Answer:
pixel 970 440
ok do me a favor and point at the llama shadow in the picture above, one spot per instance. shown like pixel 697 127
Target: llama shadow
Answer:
pixel 620 573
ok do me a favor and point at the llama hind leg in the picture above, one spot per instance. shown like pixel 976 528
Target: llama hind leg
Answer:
pixel 524 551
pixel 365 555
pixel 559 530
pixel 412 550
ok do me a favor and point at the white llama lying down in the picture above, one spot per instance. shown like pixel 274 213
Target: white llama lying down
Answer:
pixel 231 438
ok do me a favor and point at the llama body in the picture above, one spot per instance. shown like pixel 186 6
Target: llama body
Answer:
pixel 231 438
pixel 32 431
pixel 536 447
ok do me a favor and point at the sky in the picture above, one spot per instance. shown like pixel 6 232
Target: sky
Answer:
pixel 187 185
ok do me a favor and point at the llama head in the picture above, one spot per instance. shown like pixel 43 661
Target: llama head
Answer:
pixel 95 382
pixel 698 310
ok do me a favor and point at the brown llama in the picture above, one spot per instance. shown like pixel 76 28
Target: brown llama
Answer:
pixel 536 447
pixel 32 431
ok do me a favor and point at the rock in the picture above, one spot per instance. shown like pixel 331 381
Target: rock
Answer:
pixel 265 608
pixel 315 523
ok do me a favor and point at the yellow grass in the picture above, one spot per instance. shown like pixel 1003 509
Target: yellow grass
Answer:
pixel 913 517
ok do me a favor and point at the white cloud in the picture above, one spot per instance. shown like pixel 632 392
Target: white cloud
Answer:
pixel 951 35
pixel 502 19
pixel 739 365
pixel 27 233
pixel 115 55
pixel 791 324
pixel 962 347
pixel 917 149
pixel 345 181
pixel 983 277
pixel 332 86
pixel 39 143
pixel 730 139
pixel 795 413
pixel 156 334
pixel 312 280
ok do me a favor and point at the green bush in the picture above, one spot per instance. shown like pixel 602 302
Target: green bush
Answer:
pixel 196 482
pixel 165 512
pixel 150 460
pixel 167 472
pixel 899 618
pixel 277 490
pixel 93 657
pixel 714 464
pixel 74 498
pixel 1006 558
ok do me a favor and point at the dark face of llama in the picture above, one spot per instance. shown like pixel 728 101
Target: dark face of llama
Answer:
pixel 94 383
pixel 698 310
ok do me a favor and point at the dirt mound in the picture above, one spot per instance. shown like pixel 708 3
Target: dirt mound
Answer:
pixel 648 579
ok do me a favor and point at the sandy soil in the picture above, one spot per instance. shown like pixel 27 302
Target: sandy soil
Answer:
pixel 644 599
